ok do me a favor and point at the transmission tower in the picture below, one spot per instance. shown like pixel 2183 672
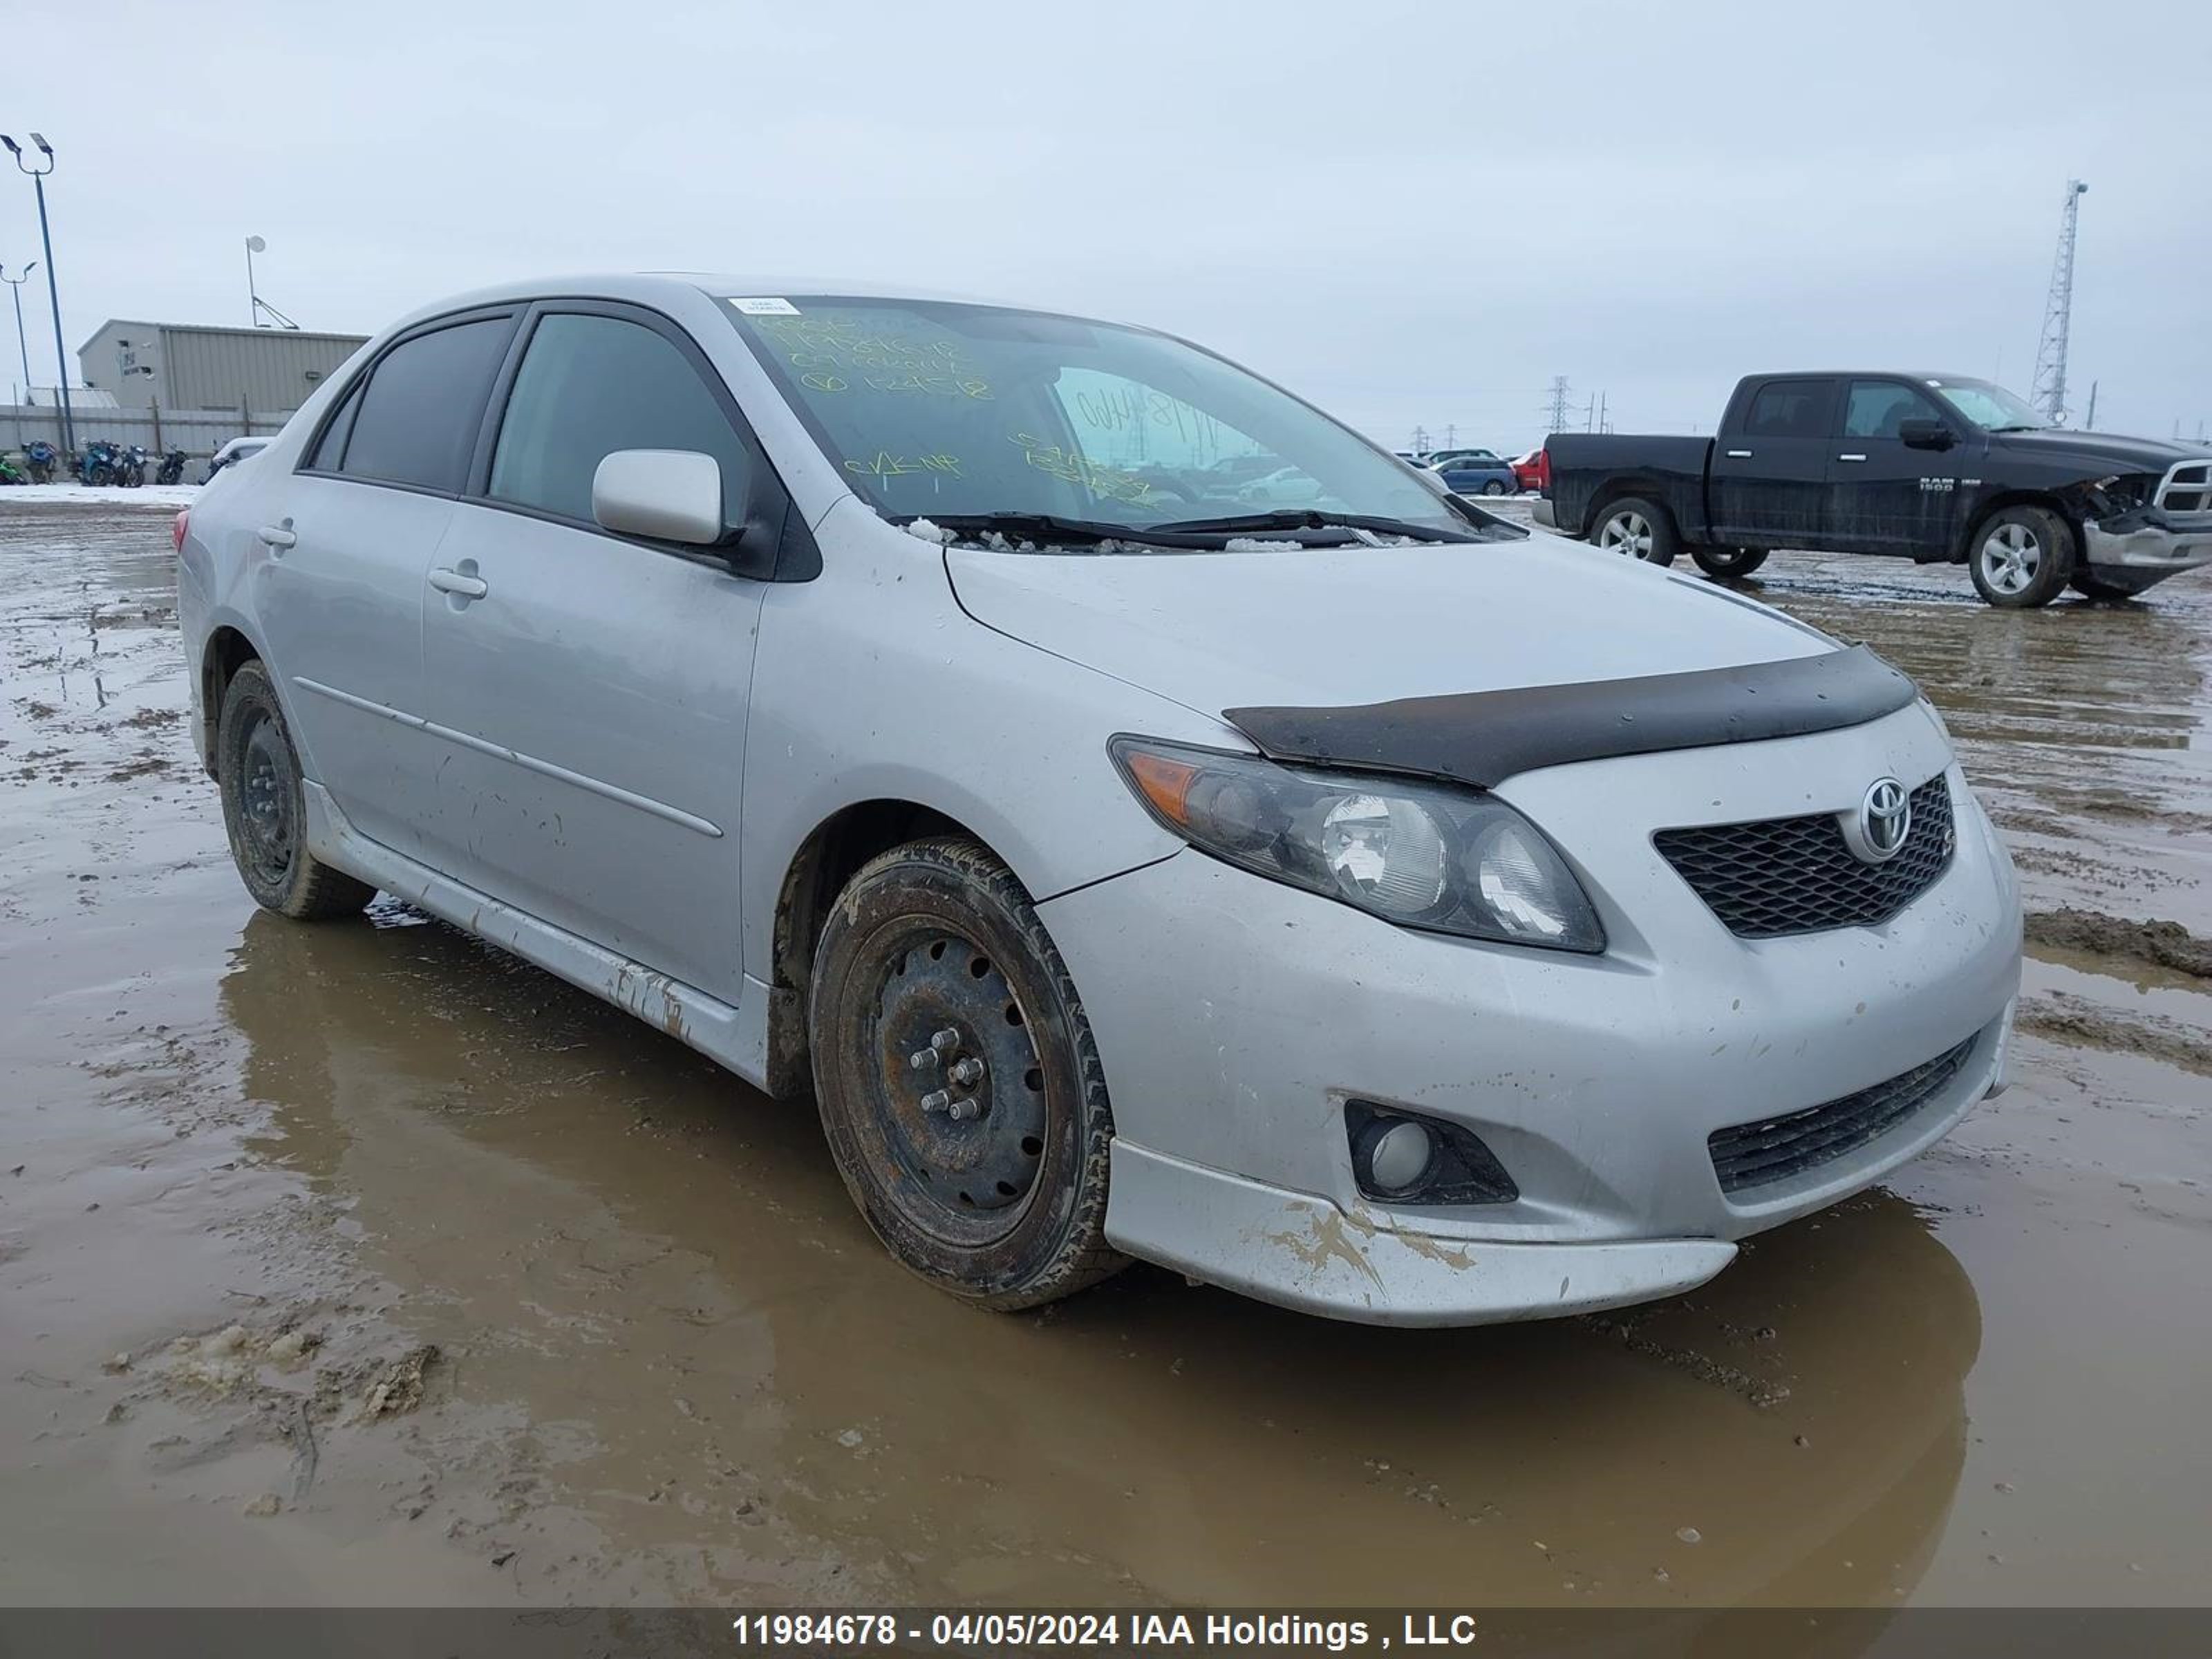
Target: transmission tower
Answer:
pixel 1557 408
pixel 2048 394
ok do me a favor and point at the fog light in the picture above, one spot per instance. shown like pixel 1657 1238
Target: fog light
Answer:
pixel 1398 1156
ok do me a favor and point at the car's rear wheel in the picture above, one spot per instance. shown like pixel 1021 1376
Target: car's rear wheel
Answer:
pixel 1634 526
pixel 265 809
pixel 2023 557
pixel 957 1081
pixel 1494 488
pixel 1726 562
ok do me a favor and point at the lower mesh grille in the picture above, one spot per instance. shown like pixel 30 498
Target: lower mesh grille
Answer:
pixel 1776 1148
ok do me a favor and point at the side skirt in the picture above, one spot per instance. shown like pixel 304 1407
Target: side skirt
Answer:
pixel 734 1037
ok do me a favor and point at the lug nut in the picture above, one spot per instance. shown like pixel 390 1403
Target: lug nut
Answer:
pixel 923 1059
pixel 967 1072
pixel 965 1109
pixel 937 1100
pixel 945 1041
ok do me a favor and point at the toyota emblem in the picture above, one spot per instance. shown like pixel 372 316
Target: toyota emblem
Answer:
pixel 1877 831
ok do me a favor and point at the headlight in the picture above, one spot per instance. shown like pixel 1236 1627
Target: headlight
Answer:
pixel 1444 859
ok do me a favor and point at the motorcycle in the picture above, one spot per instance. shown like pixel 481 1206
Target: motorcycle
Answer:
pixel 40 456
pixel 96 466
pixel 9 474
pixel 130 467
pixel 172 468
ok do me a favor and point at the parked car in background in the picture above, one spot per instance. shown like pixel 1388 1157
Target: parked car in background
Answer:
pixel 1121 880
pixel 1936 468
pixel 1532 471
pixel 237 450
pixel 1476 472
pixel 1438 456
pixel 1286 486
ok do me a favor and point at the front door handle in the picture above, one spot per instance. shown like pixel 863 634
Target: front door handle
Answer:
pixel 278 536
pixel 1739 454
pixel 453 581
pixel 1851 458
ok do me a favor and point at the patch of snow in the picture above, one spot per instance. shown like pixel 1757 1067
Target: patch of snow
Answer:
pixel 1260 544
pixel 77 494
pixel 929 532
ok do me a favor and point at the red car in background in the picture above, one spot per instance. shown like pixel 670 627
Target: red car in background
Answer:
pixel 1532 471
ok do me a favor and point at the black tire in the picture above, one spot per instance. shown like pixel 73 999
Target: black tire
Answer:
pixel 1726 563
pixel 264 808
pixel 1641 529
pixel 2090 588
pixel 2021 557
pixel 934 957
pixel 1494 488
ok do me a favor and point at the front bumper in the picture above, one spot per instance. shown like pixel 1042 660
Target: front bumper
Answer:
pixel 1236 1017
pixel 2147 543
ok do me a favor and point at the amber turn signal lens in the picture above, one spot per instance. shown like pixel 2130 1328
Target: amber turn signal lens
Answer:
pixel 1165 783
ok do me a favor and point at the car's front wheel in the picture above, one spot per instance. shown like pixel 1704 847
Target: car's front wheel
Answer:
pixel 2022 558
pixel 265 809
pixel 1727 562
pixel 1634 526
pixel 958 1084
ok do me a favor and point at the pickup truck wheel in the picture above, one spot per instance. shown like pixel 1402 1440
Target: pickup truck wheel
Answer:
pixel 1634 526
pixel 2090 588
pixel 957 1081
pixel 2022 557
pixel 264 808
pixel 1728 561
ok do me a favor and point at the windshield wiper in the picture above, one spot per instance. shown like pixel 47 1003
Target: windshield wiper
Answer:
pixel 2022 426
pixel 1051 529
pixel 1307 518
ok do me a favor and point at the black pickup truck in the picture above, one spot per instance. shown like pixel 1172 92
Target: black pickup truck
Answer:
pixel 1937 468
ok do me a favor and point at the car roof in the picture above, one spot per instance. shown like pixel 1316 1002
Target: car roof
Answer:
pixel 647 286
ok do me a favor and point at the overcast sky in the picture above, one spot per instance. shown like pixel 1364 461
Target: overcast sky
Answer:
pixel 1408 213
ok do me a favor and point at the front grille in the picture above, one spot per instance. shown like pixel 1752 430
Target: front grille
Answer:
pixel 2186 488
pixel 1759 1154
pixel 1797 875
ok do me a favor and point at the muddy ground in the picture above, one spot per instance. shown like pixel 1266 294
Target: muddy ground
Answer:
pixel 359 1263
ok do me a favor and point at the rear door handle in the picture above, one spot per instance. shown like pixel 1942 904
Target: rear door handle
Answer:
pixel 278 536
pixel 453 581
pixel 1851 458
pixel 1739 454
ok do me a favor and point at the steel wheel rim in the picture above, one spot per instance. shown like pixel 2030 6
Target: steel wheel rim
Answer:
pixel 959 1087
pixel 1626 532
pixel 2011 554
pixel 265 793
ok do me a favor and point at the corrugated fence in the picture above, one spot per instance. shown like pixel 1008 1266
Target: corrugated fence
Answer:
pixel 198 432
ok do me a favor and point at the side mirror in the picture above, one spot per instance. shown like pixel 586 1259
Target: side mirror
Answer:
pixel 1924 434
pixel 668 495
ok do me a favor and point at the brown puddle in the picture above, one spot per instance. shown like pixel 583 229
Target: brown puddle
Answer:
pixel 360 1263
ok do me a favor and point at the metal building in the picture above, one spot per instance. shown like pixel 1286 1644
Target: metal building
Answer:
pixel 187 366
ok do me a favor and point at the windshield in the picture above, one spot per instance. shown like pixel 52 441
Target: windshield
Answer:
pixel 955 412
pixel 1989 406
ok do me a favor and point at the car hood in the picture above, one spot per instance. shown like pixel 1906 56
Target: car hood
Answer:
pixel 1356 625
pixel 2098 450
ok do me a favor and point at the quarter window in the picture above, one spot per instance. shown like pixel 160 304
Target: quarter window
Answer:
pixel 419 415
pixel 590 385
pixel 1788 409
pixel 1876 409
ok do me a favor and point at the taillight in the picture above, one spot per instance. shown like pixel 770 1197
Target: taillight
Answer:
pixel 177 530
pixel 1543 470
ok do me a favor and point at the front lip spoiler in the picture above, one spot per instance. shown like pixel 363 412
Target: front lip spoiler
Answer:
pixel 1483 737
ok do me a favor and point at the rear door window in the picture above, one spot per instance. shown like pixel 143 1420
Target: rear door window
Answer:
pixel 419 414
pixel 590 385
pixel 1790 409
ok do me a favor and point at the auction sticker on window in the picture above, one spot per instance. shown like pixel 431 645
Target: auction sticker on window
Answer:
pixel 766 307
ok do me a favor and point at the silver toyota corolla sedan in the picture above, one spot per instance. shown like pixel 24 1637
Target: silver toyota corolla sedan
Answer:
pixel 1344 898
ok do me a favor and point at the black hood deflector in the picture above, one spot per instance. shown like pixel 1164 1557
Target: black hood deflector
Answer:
pixel 1483 737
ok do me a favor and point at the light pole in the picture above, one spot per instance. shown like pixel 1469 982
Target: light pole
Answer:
pixel 22 345
pixel 53 291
